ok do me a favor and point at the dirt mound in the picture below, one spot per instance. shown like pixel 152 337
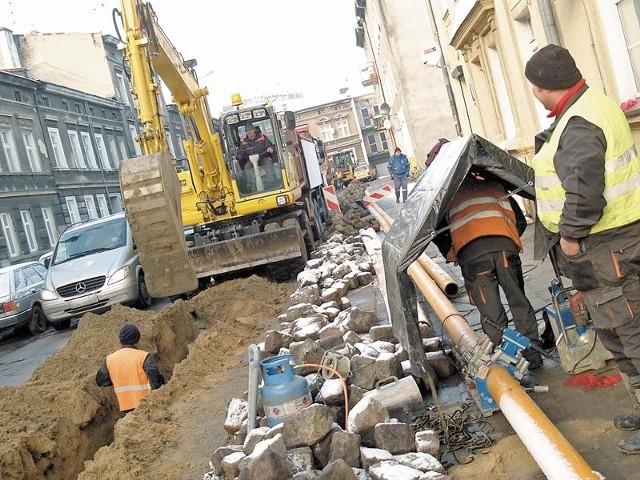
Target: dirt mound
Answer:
pixel 60 418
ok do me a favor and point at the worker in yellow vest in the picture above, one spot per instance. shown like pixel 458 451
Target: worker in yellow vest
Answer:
pixel 587 182
pixel 132 372
pixel 484 239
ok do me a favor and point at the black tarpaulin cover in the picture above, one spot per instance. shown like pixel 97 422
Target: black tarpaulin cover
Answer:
pixel 414 227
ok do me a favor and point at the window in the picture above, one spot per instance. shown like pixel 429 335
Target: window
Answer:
pixel 342 125
pixel 17 95
pixel 115 155
pixel 91 206
pixel 76 150
pixel 383 139
pixel 50 225
pixel 72 206
pixel 122 89
pixel 56 145
pixel 180 145
pixel 326 132
pixel 45 101
pixel 9 147
pixel 102 205
pixel 134 135
pixel 88 149
pixel 65 105
pixel 629 11
pixel 366 119
pixel 32 152
pixel 170 142
pixel 29 230
pixel 123 148
pixel 102 152
pixel 373 146
pixel 9 232
pixel 116 202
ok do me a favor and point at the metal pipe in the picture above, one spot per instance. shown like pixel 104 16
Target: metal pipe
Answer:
pixel 555 456
pixel 549 21
pixel 447 284
pixel 254 380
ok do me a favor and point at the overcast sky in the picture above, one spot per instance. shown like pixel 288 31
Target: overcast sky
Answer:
pixel 254 47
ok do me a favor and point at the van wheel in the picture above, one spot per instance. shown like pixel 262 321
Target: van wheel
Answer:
pixel 63 325
pixel 144 298
pixel 38 322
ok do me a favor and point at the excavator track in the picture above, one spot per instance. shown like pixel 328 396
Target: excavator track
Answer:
pixel 151 193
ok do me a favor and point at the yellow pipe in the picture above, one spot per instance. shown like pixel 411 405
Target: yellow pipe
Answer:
pixel 447 284
pixel 555 456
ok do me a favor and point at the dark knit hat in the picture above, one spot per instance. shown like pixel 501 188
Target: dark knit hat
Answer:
pixel 129 334
pixel 552 68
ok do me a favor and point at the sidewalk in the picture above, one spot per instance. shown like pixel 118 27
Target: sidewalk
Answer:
pixel 584 418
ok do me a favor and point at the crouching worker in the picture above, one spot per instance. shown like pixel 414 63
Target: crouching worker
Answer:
pixel 484 239
pixel 132 372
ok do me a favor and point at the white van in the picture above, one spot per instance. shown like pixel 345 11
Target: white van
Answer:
pixel 94 265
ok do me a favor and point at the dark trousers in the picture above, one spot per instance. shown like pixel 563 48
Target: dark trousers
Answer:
pixel 607 273
pixel 483 277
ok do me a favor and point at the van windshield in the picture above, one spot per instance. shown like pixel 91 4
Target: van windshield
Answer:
pixel 94 238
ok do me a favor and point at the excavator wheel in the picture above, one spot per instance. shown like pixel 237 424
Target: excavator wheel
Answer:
pixel 151 193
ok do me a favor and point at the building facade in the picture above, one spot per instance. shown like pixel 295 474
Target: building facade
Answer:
pixel 352 132
pixel 418 109
pixel 66 123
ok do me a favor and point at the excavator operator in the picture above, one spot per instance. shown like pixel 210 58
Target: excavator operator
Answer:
pixel 255 143
pixel 256 157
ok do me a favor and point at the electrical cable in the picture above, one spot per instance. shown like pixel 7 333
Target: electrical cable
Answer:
pixel 593 345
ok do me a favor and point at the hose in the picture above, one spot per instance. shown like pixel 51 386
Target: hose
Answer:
pixel 344 386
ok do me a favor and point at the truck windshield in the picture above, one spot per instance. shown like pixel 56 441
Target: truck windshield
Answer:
pixel 94 238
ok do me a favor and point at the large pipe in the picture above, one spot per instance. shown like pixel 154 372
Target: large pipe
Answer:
pixel 555 456
pixel 447 284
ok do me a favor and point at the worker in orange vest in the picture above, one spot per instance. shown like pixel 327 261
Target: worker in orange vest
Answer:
pixel 132 372
pixel 484 239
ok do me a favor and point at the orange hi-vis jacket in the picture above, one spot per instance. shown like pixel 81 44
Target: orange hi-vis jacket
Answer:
pixel 130 382
pixel 475 212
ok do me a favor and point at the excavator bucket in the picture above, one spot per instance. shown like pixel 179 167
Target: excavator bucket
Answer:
pixel 273 245
pixel 151 193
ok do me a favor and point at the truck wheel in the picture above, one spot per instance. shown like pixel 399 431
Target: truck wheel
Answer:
pixel 38 322
pixel 144 298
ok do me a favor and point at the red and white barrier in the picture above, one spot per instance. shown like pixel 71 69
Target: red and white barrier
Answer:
pixel 377 195
pixel 331 198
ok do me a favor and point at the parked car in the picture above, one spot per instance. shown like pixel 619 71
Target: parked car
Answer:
pixel 365 173
pixel 20 287
pixel 94 266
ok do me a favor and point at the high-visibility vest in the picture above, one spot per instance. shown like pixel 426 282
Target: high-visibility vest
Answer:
pixel 621 166
pixel 475 212
pixel 130 381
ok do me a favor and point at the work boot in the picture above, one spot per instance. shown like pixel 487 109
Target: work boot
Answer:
pixel 628 421
pixel 532 356
pixel 397 199
pixel 630 446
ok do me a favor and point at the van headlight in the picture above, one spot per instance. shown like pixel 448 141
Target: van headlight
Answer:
pixel 47 295
pixel 119 275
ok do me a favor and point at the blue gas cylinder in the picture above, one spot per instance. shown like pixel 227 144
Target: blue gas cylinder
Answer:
pixel 284 393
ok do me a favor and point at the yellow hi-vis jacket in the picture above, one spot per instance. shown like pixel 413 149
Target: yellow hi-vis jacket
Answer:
pixel 621 165
pixel 476 212
pixel 130 382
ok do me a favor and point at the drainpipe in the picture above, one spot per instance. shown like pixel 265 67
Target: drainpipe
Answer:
pixel 445 70
pixel 549 21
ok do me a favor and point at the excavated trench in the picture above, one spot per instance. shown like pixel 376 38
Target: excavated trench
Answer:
pixel 60 419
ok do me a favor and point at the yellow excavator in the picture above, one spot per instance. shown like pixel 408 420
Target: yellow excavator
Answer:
pixel 236 206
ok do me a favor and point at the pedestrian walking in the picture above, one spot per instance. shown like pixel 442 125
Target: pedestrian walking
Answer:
pixel 399 168
pixel 586 181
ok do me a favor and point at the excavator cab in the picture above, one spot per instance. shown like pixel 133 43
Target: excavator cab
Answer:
pixel 256 169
